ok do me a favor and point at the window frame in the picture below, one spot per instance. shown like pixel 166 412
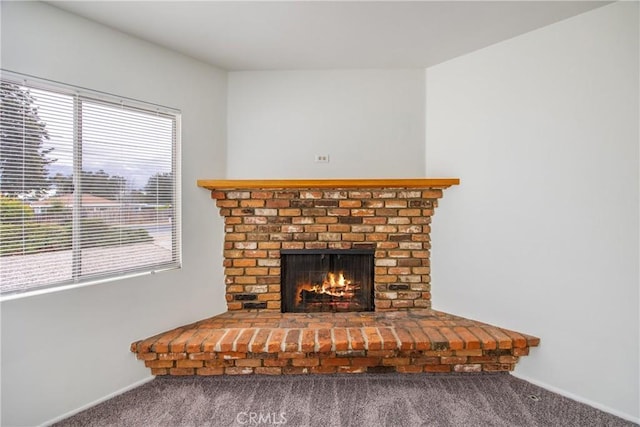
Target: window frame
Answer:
pixel 79 95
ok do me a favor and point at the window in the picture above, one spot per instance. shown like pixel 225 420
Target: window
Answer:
pixel 89 186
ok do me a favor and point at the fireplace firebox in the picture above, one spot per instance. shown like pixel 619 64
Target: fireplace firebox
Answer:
pixel 327 280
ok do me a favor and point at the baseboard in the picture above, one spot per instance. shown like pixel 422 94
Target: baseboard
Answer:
pixel 98 401
pixel 577 398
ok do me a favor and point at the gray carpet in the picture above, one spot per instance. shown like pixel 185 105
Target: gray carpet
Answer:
pixel 342 400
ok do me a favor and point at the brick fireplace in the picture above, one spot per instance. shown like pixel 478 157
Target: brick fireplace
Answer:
pixel 390 217
pixel 390 220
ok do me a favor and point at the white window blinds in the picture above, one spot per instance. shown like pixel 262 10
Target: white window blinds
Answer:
pixel 88 186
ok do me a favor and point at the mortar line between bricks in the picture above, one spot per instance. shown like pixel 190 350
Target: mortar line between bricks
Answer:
pixel 364 338
pixel 255 332
pixel 217 346
pixel 266 341
pixel 487 330
pixel 283 343
pixel 250 345
pixel 381 338
pixel 478 337
pixel 205 339
pixel 393 332
pixel 349 347
pixel 235 341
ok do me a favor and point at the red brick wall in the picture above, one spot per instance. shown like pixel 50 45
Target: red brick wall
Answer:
pixel 394 222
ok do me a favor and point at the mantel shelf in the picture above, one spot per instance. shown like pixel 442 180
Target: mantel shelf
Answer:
pixel 244 184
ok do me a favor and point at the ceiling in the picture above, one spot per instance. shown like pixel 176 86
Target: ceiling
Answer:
pixel 265 35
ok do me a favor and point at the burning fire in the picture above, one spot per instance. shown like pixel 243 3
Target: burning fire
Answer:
pixel 335 285
pixel 330 283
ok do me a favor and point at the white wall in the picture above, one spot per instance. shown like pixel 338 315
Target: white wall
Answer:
pixel 370 123
pixel 542 234
pixel 64 350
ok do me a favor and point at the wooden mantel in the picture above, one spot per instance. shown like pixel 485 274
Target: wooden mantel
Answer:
pixel 240 184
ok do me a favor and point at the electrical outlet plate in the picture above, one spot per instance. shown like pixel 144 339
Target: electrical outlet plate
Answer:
pixel 322 158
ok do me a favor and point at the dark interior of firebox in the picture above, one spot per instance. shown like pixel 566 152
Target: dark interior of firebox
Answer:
pixel 327 280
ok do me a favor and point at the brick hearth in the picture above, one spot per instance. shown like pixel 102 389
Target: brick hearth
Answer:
pixel 271 343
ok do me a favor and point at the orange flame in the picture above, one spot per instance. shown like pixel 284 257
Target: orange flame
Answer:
pixel 334 284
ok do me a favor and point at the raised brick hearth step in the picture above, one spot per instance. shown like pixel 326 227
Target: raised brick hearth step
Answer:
pixel 299 343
